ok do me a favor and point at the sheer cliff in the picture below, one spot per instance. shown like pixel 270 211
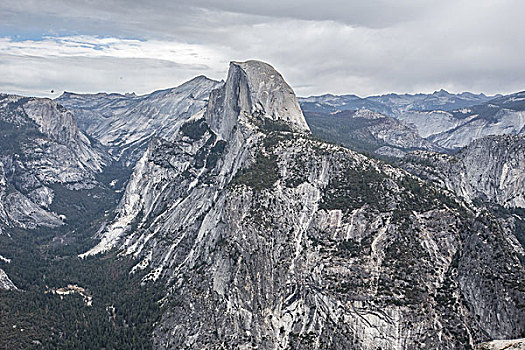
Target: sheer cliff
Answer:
pixel 490 169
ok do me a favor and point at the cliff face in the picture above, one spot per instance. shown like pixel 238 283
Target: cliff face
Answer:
pixel 264 236
pixel 491 169
pixel 253 88
pixel 41 147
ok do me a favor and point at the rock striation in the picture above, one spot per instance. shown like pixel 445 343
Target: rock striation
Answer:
pixel 491 169
pixel 126 123
pixel 41 147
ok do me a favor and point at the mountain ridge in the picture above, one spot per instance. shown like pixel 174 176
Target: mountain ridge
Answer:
pixel 126 123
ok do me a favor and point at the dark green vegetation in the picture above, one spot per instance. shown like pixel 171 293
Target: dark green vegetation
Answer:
pixel 264 171
pixel 122 312
pixel 342 128
pixel 195 129
pixel 85 211
pixel 12 137
pixel 262 174
pixel 352 188
pixel 516 215
pixel 121 316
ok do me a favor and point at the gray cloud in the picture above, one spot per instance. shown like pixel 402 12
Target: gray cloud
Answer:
pixel 363 47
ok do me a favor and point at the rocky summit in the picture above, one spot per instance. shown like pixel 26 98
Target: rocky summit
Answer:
pixel 263 236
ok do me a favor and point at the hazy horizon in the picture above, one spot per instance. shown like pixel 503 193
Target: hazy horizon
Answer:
pixel 363 47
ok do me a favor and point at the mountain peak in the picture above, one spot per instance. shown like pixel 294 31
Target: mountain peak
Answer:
pixel 253 87
pixel 441 92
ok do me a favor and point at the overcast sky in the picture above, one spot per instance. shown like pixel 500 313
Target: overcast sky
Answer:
pixel 360 47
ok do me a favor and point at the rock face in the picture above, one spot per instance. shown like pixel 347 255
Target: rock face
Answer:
pixel 41 147
pixel 253 88
pixel 19 210
pixel 431 123
pixel 91 110
pixel 491 169
pixel 265 237
pixel 514 344
pixel 126 123
pixel 5 282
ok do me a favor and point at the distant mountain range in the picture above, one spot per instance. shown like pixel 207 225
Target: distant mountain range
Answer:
pixel 445 121
pixel 393 104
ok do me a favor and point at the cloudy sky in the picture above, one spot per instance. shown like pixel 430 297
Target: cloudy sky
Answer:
pixel 338 46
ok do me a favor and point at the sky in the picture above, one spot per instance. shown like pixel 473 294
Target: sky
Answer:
pixel 332 46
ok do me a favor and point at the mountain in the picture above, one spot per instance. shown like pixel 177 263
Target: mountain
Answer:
pixel 443 121
pixel 458 128
pixel 57 189
pixel 328 104
pixel 367 131
pixel 393 105
pixel 504 115
pixel 490 169
pixel 126 123
pixel 409 121
pixel 92 109
pixel 49 179
pixel 264 236
pixel 439 100
pixel 42 154
pixel 487 173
